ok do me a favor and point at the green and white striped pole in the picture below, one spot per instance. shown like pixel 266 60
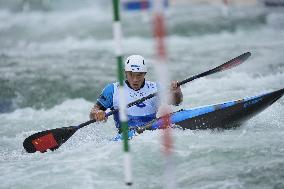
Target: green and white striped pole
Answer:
pixel 122 101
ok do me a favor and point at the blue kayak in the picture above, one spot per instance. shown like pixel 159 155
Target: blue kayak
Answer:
pixel 219 116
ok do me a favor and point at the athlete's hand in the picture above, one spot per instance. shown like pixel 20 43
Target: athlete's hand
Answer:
pixel 98 114
pixel 175 88
pixel 177 96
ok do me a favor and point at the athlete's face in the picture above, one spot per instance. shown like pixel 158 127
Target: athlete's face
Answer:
pixel 135 79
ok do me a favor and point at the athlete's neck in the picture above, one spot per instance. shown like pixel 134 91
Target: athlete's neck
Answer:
pixel 128 84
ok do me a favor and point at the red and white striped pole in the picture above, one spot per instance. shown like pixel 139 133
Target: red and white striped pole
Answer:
pixel 144 10
pixel 225 7
pixel 162 72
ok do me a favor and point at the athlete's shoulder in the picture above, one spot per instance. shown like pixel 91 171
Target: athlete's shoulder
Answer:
pixel 109 88
pixel 106 97
pixel 115 84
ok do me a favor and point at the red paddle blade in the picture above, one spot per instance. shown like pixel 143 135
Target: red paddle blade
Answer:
pixel 234 62
pixel 228 65
pixel 45 142
pixel 48 140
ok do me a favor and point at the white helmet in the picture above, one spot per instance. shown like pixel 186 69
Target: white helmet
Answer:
pixel 135 63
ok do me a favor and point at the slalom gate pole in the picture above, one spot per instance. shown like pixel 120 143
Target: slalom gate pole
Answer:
pixel 225 8
pixel 144 10
pixel 117 32
pixel 159 32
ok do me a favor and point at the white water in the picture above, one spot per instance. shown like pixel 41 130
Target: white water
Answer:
pixel 54 64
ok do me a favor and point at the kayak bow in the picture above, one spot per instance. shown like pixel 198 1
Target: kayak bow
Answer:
pixel 225 115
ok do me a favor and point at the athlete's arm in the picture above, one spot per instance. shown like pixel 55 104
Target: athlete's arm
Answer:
pixel 103 103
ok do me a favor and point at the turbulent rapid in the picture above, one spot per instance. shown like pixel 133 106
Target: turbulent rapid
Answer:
pixel 55 59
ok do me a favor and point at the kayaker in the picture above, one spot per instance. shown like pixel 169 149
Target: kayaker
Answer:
pixel 136 87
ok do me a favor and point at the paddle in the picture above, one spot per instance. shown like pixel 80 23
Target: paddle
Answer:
pixel 52 139
pixel 228 65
